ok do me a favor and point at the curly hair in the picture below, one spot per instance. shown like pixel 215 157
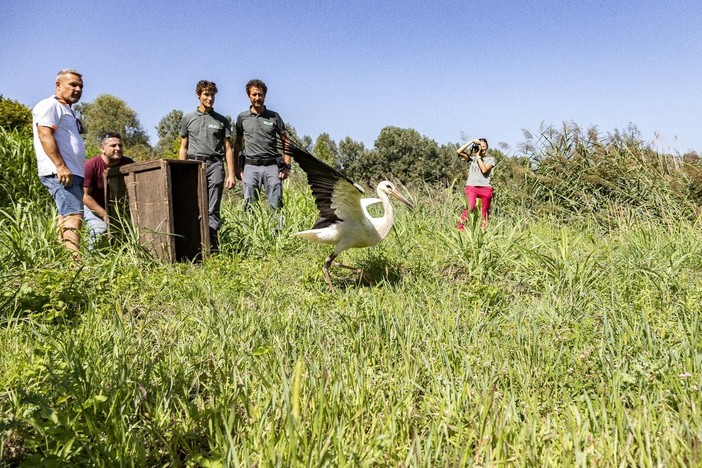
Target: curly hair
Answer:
pixel 204 85
pixel 256 84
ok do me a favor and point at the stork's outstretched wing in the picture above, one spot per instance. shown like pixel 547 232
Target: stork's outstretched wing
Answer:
pixel 337 197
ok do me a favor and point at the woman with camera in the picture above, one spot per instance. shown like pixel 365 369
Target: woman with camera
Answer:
pixel 478 184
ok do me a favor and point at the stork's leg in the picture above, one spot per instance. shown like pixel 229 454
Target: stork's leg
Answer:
pixel 325 270
pixel 330 260
pixel 361 274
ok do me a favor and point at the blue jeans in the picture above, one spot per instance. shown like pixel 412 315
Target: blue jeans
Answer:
pixel 96 226
pixel 69 200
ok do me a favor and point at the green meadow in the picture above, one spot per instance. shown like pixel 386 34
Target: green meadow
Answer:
pixel 567 334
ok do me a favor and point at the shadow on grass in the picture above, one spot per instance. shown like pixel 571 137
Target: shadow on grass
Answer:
pixel 373 270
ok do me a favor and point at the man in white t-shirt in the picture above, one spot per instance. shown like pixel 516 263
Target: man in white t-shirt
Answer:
pixel 61 153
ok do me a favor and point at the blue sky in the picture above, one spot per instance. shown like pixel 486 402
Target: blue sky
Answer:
pixel 447 69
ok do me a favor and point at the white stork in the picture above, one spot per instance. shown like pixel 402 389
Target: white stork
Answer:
pixel 344 220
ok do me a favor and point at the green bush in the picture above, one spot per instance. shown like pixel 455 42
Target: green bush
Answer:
pixel 19 181
pixel 14 115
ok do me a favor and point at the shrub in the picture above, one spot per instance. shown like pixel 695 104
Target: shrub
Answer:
pixel 14 115
pixel 18 169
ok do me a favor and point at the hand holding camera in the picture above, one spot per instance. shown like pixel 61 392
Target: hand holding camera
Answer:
pixel 471 148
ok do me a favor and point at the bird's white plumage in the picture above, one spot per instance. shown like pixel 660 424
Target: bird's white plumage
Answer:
pixel 357 227
pixel 344 218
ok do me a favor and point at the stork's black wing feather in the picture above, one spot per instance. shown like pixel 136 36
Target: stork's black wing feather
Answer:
pixel 324 180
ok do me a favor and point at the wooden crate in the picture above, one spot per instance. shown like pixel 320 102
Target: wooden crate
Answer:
pixel 166 202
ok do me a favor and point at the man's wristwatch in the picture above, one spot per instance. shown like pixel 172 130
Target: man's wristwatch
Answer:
pixel 286 166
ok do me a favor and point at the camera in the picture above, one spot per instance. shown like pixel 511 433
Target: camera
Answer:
pixel 474 148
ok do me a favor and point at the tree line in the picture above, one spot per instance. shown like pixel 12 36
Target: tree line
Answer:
pixel 398 152
pixel 565 166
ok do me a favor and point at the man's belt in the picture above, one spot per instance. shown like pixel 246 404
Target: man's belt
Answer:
pixel 262 161
pixel 205 158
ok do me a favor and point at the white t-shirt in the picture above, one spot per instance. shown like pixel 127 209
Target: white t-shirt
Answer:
pixel 50 112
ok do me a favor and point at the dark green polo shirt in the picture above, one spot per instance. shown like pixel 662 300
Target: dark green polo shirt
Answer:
pixel 206 133
pixel 260 133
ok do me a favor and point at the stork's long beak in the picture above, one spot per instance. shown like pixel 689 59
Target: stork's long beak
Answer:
pixel 398 196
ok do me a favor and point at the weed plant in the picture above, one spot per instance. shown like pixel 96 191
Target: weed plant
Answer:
pixel 545 340
pixel 18 169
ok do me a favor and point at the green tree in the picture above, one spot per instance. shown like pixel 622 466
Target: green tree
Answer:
pixel 400 153
pixel 350 153
pixel 14 115
pixel 305 141
pixel 326 150
pixel 168 130
pixel 111 114
pixel 449 166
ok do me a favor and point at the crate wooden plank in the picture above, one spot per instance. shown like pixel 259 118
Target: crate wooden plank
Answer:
pixel 166 200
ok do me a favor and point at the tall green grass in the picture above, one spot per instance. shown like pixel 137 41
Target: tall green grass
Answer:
pixel 18 169
pixel 569 173
pixel 537 342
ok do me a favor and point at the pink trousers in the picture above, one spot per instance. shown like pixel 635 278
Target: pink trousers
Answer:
pixel 472 194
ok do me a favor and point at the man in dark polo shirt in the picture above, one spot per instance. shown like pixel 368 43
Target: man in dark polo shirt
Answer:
pixel 205 137
pixel 258 130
